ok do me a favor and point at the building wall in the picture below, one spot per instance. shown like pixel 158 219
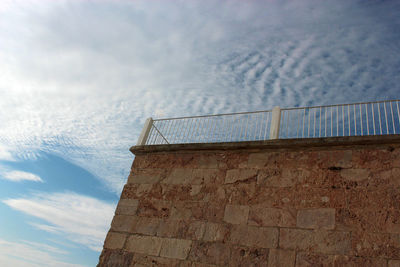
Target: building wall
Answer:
pixel 260 206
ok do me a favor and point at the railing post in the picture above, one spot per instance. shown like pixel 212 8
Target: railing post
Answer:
pixel 275 123
pixel 145 132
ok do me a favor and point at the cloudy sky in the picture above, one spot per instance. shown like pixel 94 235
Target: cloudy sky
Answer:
pixel 78 79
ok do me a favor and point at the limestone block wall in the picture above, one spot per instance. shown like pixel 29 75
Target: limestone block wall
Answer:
pixel 300 206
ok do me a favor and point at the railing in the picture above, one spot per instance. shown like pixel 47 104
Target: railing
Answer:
pixel 369 118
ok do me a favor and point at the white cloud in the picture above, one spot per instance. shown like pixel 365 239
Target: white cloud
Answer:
pixel 5 153
pixel 81 219
pixel 18 176
pixel 31 254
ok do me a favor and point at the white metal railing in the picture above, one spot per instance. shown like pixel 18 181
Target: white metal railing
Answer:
pixel 357 119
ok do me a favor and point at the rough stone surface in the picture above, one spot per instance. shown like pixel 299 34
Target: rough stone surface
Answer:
pixel 316 219
pixel 115 240
pixel 236 214
pixel 322 202
pixel 175 248
pixel 144 244
pixel 280 257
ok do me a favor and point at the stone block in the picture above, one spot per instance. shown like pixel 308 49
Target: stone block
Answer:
pixel 115 257
pixel 329 242
pixel 280 177
pixel 394 263
pixel 244 256
pixel 367 244
pixel 146 176
pixel 216 232
pixel 199 264
pixel 115 240
pixel 208 176
pixel 185 210
pixel 127 207
pixel 143 260
pixel 179 176
pixel 239 194
pixel 323 218
pixel 122 223
pixel 373 158
pixel 144 244
pixel 263 160
pixel 145 225
pixel 172 228
pixel 140 191
pixel 319 198
pixel 208 161
pixel 210 253
pixel 281 257
pixel 236 214
pixel 195 230
pixel 260 215
pixel 305 259
pixel 154 208
pixel 262 237
pixel 355 175
pixel 175 248
pixel 278 197
pixel 240 176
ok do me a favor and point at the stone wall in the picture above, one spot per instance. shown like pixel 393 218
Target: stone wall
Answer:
pixel 300 206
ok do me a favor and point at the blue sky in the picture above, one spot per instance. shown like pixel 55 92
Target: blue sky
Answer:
pixel 78 79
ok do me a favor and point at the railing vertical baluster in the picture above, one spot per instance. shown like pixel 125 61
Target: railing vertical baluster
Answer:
pixel 373 117
pixel 361 121
pixel 343 118
pixel 366 113
pixel 304 120
pixel 398 112
pixel 331 122
pixel 379 114
pixel 266 126
pixel 287 123
pixel 261 123
pixel 337 120
pixel 150 136
pixel 247 125
pixel 387 125
pixel 355 121
pixel 233 127
pixel 239 128
pixel 195 125
pixel 298 122
pixel 315 118
pixel 391 110
pixel 325 120
pixel 168 129
pixel 349 118
pixel 187 131
pixel 320 119
pixel 213 128
pixel 308 128
pixel 256 115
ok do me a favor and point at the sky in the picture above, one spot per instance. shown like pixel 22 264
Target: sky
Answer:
pixel 79 78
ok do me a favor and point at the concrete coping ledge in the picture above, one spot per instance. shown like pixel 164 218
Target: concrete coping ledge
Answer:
pixel 291 144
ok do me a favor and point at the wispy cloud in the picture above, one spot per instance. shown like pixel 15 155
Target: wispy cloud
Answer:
pixel 81 219
pixel 19 176
pixel 31 254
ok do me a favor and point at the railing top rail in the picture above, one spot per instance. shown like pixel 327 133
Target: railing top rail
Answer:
pixel 338 105
pixel 213 115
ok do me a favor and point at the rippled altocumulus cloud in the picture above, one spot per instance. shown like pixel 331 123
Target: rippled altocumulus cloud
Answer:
pixel 78 78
